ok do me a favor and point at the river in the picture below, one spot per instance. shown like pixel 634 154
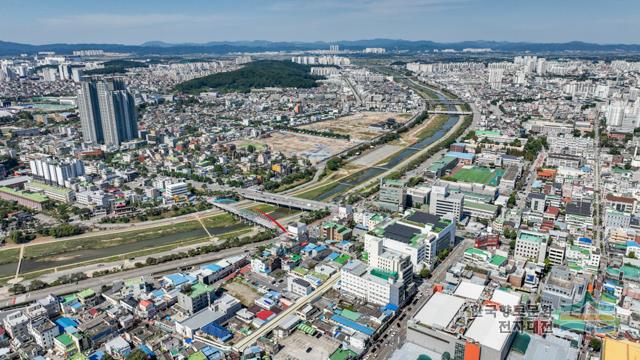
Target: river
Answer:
pixel 369 173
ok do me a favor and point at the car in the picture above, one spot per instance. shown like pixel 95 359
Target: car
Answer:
pixel 309 349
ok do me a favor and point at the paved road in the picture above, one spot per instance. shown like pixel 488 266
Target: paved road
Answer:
pixel 251 339
pixel 96 283
pixel 394 336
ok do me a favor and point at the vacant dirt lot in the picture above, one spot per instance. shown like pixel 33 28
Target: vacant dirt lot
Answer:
pixel 314 148
pixel 357 125
pixel 242 292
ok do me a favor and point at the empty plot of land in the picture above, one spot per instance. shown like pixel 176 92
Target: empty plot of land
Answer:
pixel 377 155
pixel 358 126
pixel 296 346
pixel 242 292
pixel 314 148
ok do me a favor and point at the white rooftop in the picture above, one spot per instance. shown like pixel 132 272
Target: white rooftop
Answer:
pixel 505 298
pixel 469 290
pixel 439 310
pixel 491 329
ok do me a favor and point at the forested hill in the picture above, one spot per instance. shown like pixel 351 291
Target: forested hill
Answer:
pixel 255 75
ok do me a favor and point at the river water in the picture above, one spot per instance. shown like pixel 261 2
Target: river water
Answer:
pixel 366 174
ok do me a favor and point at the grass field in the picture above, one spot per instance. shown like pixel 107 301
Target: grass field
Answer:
pixel 9 256
pixel 109 240
pixel 478 175
pixel 315 192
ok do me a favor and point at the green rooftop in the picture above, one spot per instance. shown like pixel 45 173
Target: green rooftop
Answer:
pixel 478 252
pixel 351 315
pixel 23 194
pixel 54 189
pixel 339 228
pixel 384 274
pixel 628 271
pixel 86 293
pixel 497 260
pixel 531 236
pixel 197 356
pixel 342 259
pixel 480 206
pixel 439 164
pixel 343 354
pixel 69 298
pixel 198 289
pixel 65 339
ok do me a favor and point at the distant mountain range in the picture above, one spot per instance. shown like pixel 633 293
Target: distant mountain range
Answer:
pixel 225 47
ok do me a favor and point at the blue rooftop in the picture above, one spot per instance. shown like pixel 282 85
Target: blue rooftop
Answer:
pixel 391 307
pixel 98 355
pixel 353 325
pixel 178 279
pixel 332 256
pixel 320 248
pixel 309 247
pixel 216 330
pixel 585 240
pixel 65 322
pixel 145 349
pixel 212 267
pixel 461 155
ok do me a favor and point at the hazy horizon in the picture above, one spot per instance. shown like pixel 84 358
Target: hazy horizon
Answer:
pixel 195 21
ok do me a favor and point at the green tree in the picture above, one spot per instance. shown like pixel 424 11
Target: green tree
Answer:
pixel 595 344
pixel 251 148
pixel 137 354
pixel 425 273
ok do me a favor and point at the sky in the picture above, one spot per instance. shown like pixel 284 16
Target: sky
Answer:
pixel 198 21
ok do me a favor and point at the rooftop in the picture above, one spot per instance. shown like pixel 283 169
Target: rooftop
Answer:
pixel 439 310
pixel 198 289
pixel 489 331
pixel 27 195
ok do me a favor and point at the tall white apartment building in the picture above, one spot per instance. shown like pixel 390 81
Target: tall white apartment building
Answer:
pixel 56 172
pixel 495 78
pixel 615 113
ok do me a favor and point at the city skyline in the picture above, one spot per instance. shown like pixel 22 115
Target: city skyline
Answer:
pixel 282 20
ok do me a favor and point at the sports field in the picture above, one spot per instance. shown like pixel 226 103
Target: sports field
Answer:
pixel 478 175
